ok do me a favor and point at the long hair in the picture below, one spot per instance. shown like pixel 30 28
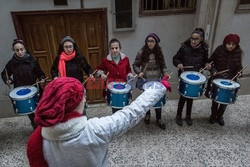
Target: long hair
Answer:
pixel 156 50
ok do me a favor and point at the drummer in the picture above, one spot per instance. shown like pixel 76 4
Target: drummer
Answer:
pixel 226 57
pixel 22 70
pixel 192 54
pixel 150 64
pixel 115 67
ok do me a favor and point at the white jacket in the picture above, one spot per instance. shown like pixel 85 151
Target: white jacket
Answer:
pixel 81 142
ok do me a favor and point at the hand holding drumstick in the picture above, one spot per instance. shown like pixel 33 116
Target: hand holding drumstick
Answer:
pixel 239 73
pixel 8 81
pixel 208 66
pixel 104 77
pixel 91 76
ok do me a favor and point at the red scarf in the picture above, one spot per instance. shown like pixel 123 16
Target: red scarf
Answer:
pixel 35 144
pixel 61 65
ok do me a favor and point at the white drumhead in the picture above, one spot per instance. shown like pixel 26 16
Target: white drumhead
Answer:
pixel 152 85
pixel 226 83
pixel 193 77
pixel 23 92
pixel 119 87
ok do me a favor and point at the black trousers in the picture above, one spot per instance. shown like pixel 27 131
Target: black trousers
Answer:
pixel 31 117
pixel 181 103
pixel 217 110
pixel 115 109
pixel 157 113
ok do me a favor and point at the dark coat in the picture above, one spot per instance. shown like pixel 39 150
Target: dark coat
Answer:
pixel 223 60
pixel 189 56
pixel 74 67
pixel 154 70
pixel 25 71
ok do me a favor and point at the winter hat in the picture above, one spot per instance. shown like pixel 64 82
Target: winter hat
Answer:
pixel 231 38
pixel 60 98
pixel 67 38
pixel 153 35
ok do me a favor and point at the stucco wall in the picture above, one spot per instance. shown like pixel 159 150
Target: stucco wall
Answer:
pixel 231 22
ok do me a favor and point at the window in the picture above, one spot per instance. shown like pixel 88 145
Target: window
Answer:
pixel 163 7
pixel 60 2
pixel 243 6
pixel 123 15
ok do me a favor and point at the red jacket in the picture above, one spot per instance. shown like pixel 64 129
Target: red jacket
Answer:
pixel 117 72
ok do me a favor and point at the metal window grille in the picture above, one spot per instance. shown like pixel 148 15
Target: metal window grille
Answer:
pixel 167 5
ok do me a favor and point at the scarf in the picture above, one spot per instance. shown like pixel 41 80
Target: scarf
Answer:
pixel 61 66
pixel 35 144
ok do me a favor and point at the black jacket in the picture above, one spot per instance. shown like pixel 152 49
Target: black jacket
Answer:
pixel 189 56
pixel 25 71
pixel 74 67
pixel 225 60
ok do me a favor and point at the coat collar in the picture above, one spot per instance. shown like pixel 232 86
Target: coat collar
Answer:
pixel 66 130
pixel 109 57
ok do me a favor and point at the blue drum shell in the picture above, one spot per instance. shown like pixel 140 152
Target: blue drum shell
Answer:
pixel 223 95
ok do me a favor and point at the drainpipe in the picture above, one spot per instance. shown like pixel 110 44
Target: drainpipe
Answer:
pixel 82 4
pixel 214 25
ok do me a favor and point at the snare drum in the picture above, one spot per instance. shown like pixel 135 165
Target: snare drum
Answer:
pixel 118 94
pixel 224 91
pixel 24 99
pixel 191 84
pixel 155 85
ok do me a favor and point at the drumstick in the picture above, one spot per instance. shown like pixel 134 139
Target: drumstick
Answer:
pixel 131 79
pixel 89 77
pixel 170 75
pixel 238 73
pixel 7 76
pixel 220 72
pixel 145 68
pixel 188 66
pixel 206 66
pixel 37 83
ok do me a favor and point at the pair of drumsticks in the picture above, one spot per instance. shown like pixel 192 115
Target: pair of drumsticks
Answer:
pixel 90 77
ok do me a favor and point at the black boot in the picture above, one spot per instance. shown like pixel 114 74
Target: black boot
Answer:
pixel 212 119
pixel 178 120
pixel 221 121
pixel 189 120
pixel 147 119
pixel 161 124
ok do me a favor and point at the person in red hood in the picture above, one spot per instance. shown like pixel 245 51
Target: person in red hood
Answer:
pixel 65 137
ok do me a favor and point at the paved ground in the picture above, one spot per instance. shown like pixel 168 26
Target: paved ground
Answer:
pixel 202 144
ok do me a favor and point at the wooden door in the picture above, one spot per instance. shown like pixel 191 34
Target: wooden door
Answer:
pixel 42 32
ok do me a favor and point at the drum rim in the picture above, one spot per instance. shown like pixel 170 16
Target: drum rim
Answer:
pixel 25 113
pixel 190 81
pixel 31 94
pixel 190 97
pixel 226 87
pixel 120 91
pixel 227 103
pixel 26 98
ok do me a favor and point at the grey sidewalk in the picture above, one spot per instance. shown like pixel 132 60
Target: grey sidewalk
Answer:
pixel 202 144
